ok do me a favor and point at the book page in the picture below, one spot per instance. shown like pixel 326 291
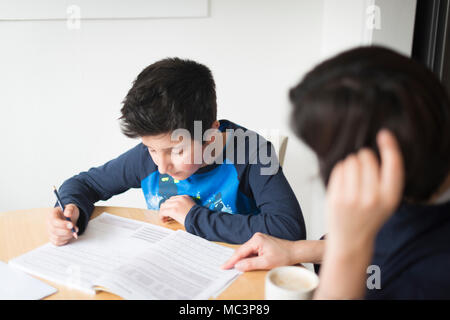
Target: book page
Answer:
pixel 108 241
pixel 180 266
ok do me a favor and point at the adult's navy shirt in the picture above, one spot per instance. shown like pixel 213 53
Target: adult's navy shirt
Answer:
pixel 235 197
pixel 413 252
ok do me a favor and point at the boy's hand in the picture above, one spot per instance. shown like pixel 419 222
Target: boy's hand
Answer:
pixel 59 229
pixel 261 252
pixel 176 207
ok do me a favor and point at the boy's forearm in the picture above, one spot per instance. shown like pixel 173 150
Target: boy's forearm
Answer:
pixel 103 182
pixel 72 191
pixel 238 228
pixel 279 207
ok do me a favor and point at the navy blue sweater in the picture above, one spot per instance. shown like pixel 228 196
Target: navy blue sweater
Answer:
pixel 234 199
pixel 413 252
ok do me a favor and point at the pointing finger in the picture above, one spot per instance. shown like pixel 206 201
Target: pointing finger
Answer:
pixel 247 249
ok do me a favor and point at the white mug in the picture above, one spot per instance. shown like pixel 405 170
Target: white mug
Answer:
pixel 290 283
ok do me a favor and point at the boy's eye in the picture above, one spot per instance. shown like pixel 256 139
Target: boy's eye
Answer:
pixel 151 150
pixel 177 151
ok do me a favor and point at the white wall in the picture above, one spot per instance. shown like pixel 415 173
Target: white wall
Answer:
pixel 396 25
pixel 349 23
pixel 61 89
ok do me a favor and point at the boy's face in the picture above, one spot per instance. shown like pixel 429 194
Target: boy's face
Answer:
pixel 170 156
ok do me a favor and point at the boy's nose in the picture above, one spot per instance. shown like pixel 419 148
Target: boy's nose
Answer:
pixel 164 165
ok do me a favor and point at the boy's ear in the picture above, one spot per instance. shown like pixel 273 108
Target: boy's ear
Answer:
pixel 216 124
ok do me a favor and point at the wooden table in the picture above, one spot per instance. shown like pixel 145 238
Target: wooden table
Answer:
pixel 25 230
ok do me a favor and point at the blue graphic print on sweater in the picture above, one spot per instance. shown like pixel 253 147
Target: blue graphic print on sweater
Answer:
pixel 217 189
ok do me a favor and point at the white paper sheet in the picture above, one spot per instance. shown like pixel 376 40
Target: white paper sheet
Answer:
pixel 17 285
pixel 108 242
pixel 180 266
pixel 135 260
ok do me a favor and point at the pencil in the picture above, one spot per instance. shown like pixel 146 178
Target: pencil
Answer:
pixel 75 235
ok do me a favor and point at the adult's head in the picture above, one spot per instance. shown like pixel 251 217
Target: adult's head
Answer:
pixel 342 103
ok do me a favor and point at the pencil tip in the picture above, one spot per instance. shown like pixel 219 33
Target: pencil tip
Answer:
pixel 54 188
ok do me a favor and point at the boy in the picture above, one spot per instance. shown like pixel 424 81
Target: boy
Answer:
pixel 226 198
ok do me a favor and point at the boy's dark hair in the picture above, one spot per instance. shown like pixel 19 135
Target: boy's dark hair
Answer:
pixel 169 94
pixel 341 104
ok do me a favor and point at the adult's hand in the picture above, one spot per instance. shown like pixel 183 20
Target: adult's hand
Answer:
pixel 261 252
pixel 362 194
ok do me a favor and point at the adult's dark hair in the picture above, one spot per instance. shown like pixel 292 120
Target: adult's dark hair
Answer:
pixel 169 94
pixel 342 103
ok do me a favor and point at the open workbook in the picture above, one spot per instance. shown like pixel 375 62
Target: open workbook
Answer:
pixel 134 260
